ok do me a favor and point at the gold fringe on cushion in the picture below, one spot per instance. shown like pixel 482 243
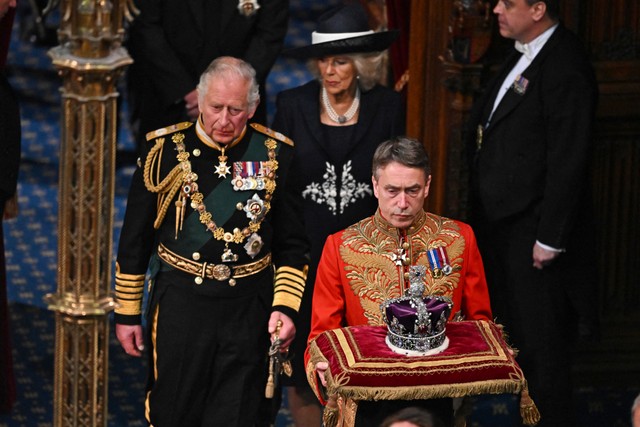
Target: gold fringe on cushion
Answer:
pixel 432 391
pixel 528 410
pixel 505 336
pixel 340 385
pixel 339 412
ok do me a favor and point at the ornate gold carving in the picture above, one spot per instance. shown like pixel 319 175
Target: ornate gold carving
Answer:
pixel 368 252
pixel 90 61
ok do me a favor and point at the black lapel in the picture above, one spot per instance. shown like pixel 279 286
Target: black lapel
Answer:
pixel 512 98
pixel 311 117
pixel 368 105
pixel 228 8
pixel 197 9
pixel 213 14
pixel 491 98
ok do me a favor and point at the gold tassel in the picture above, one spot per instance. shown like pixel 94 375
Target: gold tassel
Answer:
pixel 528 410
pixel 331 413
pixel 179 213
pixel 269 389
pixel 275 347
pixel 184 203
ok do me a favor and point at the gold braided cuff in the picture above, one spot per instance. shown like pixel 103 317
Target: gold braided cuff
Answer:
pixel 289 286
pixel 129 292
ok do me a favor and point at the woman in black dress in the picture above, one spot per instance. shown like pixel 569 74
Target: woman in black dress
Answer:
pixel 336 122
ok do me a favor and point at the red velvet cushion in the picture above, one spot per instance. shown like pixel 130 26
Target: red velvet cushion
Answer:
pixel 362 367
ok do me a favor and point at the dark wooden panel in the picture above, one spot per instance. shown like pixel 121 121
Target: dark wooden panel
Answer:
pixel 615 359
pixel 437 109
pixel 427 117
pixel 617 188
pixel 612 29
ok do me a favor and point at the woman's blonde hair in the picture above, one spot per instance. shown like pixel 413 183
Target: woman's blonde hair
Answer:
pixel 368 67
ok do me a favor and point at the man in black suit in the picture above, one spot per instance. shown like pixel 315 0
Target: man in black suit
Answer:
pixel 173 41
pixel 531 197
pixel 9 165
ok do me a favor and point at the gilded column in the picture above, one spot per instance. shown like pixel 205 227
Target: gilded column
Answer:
pixel 90 60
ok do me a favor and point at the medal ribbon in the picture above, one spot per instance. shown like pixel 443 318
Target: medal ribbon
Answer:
pixel 434 259
pixel 443 255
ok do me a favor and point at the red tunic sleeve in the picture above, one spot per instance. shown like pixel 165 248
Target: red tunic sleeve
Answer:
pixel 328 295
pixel 475 294
pixel 328 298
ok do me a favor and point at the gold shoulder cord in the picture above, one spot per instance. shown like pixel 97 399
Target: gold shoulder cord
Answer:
pixel 168 187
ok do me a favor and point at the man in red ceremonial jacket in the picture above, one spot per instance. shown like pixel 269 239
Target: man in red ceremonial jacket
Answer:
pixel 368 262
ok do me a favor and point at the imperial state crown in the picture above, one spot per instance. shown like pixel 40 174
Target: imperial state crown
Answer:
pixel 416 324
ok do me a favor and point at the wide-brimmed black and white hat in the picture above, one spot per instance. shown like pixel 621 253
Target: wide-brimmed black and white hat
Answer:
pixel 344 29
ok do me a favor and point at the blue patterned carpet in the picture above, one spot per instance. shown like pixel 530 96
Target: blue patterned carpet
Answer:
pixel 31 252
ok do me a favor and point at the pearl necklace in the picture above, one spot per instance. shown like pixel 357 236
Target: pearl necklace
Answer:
pixel 348 115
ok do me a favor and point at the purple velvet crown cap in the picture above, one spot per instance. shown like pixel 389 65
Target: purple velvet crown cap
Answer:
pixel 417 326
pixel 416 323
pixel 406 314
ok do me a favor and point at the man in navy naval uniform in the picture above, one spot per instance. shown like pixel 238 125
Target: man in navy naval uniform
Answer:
pixel 209 214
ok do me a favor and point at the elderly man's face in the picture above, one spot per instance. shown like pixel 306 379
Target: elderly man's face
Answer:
pixel 224 108
pixel 401 192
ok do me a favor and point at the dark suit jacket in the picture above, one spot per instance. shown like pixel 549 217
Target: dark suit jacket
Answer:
pixel 9 140
pixel 534 156
pixel 173 41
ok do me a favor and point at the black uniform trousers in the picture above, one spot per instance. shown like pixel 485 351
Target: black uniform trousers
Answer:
pixel 535 309
pixel 206 350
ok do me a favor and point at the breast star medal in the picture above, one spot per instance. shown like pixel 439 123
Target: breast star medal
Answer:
pixel 222 169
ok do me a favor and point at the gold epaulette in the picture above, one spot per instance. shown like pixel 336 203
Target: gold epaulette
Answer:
pixel 167 130
pixel 273 134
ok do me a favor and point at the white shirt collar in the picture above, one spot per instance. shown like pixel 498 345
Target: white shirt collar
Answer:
pixel 531 49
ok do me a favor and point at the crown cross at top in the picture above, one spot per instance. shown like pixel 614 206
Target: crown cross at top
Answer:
pixel 417 274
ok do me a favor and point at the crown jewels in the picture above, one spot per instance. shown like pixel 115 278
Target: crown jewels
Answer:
pixel 416 324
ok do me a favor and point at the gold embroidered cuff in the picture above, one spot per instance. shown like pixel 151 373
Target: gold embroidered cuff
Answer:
pixel 129 292
pixel 289 286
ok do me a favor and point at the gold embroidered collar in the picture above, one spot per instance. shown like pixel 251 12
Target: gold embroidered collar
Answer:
pixel 390 230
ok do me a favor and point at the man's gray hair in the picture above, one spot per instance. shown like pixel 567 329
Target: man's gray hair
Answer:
pixel 401 149
pixel 225 66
